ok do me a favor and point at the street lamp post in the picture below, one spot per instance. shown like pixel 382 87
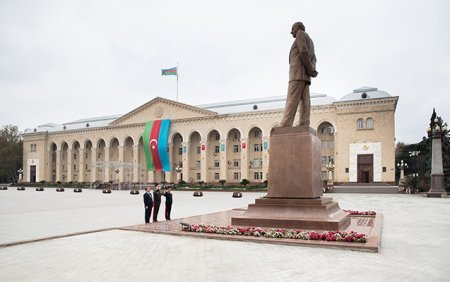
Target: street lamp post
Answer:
pixel 414 154
pixel 401 181
pixel 330 183
pixel 178 169
pixel 436 131
pixel 117 177
pixel 20 171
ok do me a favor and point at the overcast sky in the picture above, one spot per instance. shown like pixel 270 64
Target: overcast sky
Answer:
pixel 66 60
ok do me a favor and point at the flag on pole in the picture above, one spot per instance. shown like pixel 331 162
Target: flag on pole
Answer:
pixel 155 137
pixel 171 71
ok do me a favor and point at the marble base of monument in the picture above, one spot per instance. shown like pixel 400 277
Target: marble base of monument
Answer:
pixel 314 214
pixel 294 198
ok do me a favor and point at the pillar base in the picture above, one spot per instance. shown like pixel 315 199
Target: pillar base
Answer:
pixel 313 214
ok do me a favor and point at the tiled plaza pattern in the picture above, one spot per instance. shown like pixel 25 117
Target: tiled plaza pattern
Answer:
pixel 415 242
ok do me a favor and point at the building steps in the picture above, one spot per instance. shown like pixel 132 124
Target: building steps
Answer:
pixel 373 188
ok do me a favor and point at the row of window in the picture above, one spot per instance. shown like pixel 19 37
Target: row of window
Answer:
pixel 256 163
pixel 368 124
pixel 236 176
pixel 236 149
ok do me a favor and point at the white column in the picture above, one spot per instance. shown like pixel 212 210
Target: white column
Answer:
pixel 107 169
pixel 136 177
pixel 69 165
pixel 121 175
pixel 244 159
pixel 58 165
pixel 203 160
pixel 223 159
pixel 185 148
pixel 81 166
pixel 265 157
pixel 93 164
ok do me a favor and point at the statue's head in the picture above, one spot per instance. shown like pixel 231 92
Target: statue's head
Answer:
pixel 299 25
pixel 296 27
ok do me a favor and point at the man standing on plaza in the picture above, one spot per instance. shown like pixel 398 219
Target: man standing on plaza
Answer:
pixel 169 200
pixel 302 66
pixel 157 202
pixel 148 203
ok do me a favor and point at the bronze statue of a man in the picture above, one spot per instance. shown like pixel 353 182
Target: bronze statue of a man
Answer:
pixel 302 66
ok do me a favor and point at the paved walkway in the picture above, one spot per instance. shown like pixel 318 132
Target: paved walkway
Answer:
pixel 415 242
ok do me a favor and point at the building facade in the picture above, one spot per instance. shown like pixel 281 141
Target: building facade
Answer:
pixel 224 141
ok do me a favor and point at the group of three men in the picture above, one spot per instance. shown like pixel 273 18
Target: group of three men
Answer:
pixel 154 201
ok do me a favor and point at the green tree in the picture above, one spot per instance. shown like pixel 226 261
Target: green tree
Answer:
pixel 245 182
pixel 421 164
pixel 11 152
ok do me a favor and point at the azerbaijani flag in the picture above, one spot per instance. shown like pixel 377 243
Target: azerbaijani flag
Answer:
pixel 155 137
pixel 172 71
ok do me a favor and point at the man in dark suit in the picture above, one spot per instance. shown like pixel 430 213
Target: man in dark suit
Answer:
pixel 168 195
pixel 302 66
pixel 157 202
pixel 148 203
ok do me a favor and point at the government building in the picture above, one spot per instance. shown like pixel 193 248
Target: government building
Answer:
pixel 223 141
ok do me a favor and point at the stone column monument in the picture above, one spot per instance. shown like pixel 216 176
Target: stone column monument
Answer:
pixel 436 131
pixel 294 198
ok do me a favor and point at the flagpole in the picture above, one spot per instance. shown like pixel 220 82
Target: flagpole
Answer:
pixel 177 81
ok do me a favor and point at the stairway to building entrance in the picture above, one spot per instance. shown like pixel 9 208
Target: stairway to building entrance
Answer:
pixel 373 188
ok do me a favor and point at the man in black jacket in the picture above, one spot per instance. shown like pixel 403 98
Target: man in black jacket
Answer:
pixel 157 202
pixel 168 195
pixel 148 204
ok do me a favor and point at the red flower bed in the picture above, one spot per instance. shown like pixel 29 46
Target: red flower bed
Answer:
pixel 350 236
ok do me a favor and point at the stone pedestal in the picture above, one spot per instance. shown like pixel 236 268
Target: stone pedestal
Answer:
pixel 295 187
pixel 437 189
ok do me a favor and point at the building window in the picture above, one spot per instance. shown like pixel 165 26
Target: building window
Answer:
pixel 330 144
pixel 369 123
pixel 384 169
pixel 216 149
pixel 346 170
pixel 86 156
pixel 217 137
pixel 257 175
pixel 74 156
pixel 236 148
pixel 324 175
pixel 197 164
pixel 99 156
pixel 216 163
pixel 86 166
pixel 74 167
pixel 257 133
pixel 324 160
pixel 236 176
pixel 256 163
pixel 324 144
pixel 180 151
pixel 236 163
pixel 256 147
pixel 198 150
pixel 199 176
pixel 236 136
pixel 360 123
pixel 216 176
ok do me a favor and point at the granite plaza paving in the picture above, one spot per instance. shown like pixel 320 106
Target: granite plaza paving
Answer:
pixel 415 244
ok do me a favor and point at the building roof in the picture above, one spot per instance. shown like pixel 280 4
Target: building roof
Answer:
pixel 365 93
pixel 261 104
pixel 230 107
